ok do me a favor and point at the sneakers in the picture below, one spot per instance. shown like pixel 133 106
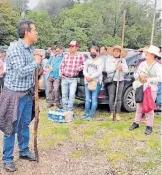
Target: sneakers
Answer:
pixel 29 156
pixel 134 126
pixel 85 115
pixel 9 167
pixel 148 130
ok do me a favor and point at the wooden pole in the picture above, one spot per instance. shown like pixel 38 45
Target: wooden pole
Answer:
pixel 153 24
pixel 36 116
pixel 117 88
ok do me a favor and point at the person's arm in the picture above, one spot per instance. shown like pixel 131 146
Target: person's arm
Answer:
pixel 138 70
pixel 158 78
pixel 81 67
pixel 85 70
pixel 99 71
pixel 62 65
pixel 19 66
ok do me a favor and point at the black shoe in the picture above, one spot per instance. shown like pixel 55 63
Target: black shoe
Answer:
pixel 9 167
pixel 148 130
pixel 30 156
pixel 134 126
pixel 59 106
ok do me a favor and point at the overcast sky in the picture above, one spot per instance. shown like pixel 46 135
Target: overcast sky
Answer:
pixel 33 3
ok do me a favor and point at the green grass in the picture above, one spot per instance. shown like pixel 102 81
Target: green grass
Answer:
pixel 112 140
pixel 77 154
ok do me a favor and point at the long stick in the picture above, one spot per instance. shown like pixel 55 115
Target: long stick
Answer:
pixel 36 116
pixel 117 88
pixel 153 24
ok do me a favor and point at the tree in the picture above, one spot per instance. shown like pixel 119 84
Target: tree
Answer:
pixel 20 5
pixel 46 34
pixel 8 24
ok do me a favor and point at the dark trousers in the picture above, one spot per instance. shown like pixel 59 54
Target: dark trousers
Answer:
pixel 53 86
pixel 112 92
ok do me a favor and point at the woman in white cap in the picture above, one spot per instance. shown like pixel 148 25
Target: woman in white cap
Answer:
pixel 116 68
pixel 148 73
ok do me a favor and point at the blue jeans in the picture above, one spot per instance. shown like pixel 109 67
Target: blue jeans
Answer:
pixel 69 86
pixel 158 99
pixel 91 100
pixel 21 127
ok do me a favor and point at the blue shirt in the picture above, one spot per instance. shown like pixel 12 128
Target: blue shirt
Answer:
pixel 55 62
pixel 20 67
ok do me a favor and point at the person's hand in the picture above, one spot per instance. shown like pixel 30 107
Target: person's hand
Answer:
pixel 120 68
pixel 89 78
pixel 143 79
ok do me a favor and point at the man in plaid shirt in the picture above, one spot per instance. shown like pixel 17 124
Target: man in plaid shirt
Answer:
pixel 21 63
pixel 69 69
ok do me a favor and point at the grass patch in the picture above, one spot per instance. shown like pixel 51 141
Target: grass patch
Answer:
pixel 154 144
pixel 115 157
pixel 77 154
pixel 62 130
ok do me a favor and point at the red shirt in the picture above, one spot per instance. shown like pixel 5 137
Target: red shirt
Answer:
pixel 72 65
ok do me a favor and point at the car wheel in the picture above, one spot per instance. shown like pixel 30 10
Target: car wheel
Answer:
pixel 129 103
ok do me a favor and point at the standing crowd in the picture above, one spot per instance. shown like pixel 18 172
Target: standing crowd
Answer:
pixel 62 70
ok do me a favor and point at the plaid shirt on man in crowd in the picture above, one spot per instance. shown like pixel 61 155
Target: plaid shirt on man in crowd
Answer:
pixel 20 67
pixel 72 65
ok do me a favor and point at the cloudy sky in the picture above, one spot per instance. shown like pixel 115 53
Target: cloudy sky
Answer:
pixel 32 3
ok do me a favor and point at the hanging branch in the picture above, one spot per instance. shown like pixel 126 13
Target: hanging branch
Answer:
pixel 153 24
pixel 117 88
pixel 36 116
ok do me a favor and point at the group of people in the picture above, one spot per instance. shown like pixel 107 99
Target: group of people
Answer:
pixel 62 70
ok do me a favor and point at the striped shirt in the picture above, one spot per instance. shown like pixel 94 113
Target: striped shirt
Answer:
pixel 72 65
pixel 20 67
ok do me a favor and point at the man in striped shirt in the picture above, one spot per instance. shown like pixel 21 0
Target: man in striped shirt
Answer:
pixel 69 70
pixel 21 63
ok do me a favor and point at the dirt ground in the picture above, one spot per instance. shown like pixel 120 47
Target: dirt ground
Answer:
pixel 92 148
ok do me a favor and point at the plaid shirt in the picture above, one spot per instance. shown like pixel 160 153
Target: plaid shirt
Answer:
pixel 72 65
pixel 20 67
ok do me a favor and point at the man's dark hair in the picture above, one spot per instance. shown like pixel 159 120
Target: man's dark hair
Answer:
pixel 60 47
pixel 96 48
pixel 105 48
pixel 24 26
pixel 54 47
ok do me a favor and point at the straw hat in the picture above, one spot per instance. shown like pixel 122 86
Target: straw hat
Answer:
pixel 123 52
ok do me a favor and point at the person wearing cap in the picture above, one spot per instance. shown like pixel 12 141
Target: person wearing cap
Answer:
pixel 149 74
pixel 70 67
pixel 116 67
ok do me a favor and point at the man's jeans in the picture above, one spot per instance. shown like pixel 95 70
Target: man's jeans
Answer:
pixel 91 100
pixel 69 86
pixel 21 127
